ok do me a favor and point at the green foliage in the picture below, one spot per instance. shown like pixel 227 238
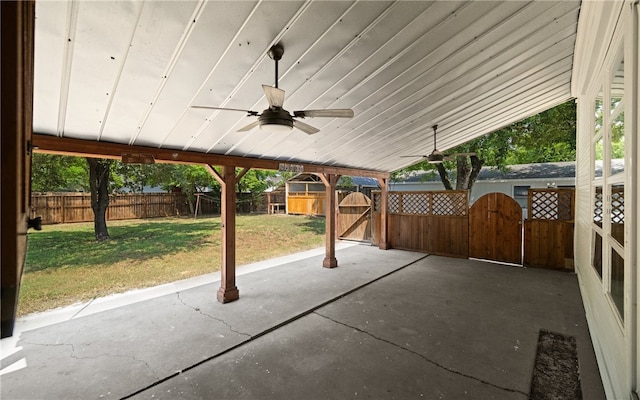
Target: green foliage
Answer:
pixel 255 181
pixel 189 178
pixel 53 173
pixel 132 176
pixel 617 137
pixel 346 181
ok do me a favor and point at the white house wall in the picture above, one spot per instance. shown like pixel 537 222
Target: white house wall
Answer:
pixel 607 30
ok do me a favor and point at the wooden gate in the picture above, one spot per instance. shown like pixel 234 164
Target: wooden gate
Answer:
pixel 354 217
pixel 495 229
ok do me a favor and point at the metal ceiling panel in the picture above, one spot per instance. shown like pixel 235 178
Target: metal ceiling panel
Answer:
pixel 129 72
pixel 49 60
pixel 148 61
pixel 102 34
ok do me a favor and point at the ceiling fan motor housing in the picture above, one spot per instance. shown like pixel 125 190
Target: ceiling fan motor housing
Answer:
pixel 275 116
pixel 436 157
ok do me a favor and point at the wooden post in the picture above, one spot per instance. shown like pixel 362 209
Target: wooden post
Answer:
pixel 384 196
pixel 228 291
pixel 330 181
pixel 195 214
pixel 15 137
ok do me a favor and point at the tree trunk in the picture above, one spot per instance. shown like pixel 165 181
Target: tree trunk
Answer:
pixel 99 174
pixel 476 166
pixel 444 176
pixel 466 174
pixel 463 172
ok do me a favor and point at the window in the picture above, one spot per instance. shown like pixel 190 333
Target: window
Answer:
pixel 598 148
pixel 617 119
pixel 617 281
pixel 596 253
pixel 521 195
pixel 608 181
pixel 617 213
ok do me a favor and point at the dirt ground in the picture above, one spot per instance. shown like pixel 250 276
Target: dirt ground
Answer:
pixel 556 374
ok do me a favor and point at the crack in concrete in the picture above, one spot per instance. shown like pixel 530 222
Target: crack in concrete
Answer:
pixel 77 357
pixel 198 310
pixel 24 342
pixel 436 364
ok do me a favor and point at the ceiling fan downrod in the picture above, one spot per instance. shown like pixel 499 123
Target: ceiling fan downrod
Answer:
pixel 434 137
pixel 275 53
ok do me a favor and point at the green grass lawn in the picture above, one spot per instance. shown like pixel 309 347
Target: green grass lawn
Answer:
pixel 66 265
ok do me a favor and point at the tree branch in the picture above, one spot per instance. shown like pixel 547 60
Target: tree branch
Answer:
pixel 476 166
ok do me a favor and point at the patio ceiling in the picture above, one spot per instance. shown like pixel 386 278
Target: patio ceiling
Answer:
pixel 128 72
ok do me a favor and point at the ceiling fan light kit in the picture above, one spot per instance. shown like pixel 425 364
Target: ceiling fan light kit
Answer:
pixel 275 118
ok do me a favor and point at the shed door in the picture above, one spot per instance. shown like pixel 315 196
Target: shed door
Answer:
pixel 495 229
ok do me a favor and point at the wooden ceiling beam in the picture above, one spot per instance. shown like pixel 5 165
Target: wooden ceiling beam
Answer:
pixel 90 148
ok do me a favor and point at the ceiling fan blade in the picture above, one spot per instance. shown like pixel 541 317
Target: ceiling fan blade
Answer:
pixel 420 155
pixel 306 128
pixel 249 127
pixel 328 113
pixel 249 112
pixel 274 95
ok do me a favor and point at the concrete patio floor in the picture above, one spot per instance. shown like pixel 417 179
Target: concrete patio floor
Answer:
pixel 384 324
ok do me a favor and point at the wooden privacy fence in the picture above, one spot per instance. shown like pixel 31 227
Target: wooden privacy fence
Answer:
pixel 440 222
pixel 548 231
pixel 76 207
pixel 57 208
pixel 435 222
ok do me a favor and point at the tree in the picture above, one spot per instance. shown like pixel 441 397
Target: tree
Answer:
pixel 99 177
pixel 546 137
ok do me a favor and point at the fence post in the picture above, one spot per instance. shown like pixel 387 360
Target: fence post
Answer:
pixel 64 208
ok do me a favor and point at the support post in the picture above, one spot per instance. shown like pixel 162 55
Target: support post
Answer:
pixel 330 182
pixel 384 197
pixel 228 291
pixel 17 29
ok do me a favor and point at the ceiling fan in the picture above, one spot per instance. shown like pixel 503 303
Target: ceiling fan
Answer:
pixel 275 118
pixel 436 156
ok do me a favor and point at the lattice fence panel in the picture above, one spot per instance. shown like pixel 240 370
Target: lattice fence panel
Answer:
pixel 440 203
pixel 415 203
pixel 617 205
pixel 450 203
pixel 393 203
pixel 551 204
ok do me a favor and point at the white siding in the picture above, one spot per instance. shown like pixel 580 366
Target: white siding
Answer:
pixel 605 28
